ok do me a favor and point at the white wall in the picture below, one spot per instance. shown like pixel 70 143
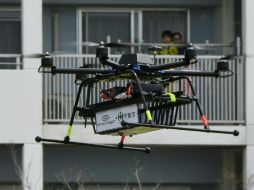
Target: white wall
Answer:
pixel 20 106
pixel 248 46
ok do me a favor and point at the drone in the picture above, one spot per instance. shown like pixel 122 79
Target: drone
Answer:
pixel 144 104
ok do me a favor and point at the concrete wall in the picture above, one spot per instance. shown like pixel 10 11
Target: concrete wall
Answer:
pixel 21 106
pixel 139 2
pixel 248 46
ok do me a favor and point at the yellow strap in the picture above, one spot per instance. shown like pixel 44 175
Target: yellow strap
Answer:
pixel 148 115
pixel 69 131
pixel 172 97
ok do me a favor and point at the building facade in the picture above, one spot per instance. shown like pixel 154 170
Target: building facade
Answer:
pixel 33 105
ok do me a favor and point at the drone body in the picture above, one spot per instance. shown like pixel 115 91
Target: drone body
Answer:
pixel 139 107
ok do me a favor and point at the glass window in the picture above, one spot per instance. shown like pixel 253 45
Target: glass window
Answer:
pixel 10 37
pixel 117 27
pixel 155 22
pixel 105 26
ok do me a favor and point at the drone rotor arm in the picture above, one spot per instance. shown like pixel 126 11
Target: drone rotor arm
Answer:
pixel 196 73
pixel 168 66
pixel 80 71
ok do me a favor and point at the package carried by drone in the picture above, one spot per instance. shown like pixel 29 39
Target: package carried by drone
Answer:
pixel 109 117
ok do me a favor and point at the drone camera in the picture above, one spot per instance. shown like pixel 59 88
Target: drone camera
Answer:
pixel 102 53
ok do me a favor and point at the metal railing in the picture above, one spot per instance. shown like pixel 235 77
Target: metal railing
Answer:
pixel 222 99
pixel 10 61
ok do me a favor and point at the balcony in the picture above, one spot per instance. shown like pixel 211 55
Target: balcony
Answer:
pixel 222 99
pixel 10 61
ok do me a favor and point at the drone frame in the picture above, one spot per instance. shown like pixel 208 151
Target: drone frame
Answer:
pixel 147 72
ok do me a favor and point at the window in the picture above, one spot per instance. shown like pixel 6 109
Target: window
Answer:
pixel 129 25
pixel 155 22
pixel 105 26
pixel 10 36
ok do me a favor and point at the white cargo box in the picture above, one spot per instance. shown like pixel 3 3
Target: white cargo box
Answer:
pixel 111 118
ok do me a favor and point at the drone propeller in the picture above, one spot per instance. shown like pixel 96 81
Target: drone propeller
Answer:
pixel 197 46
pixel 46 54
pixel 36 55
pixel 227 57
pixel 89 44
pixel 102 44
pixel 154 48
pixel 117 45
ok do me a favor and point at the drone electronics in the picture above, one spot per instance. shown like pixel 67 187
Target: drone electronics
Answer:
pixel 139 107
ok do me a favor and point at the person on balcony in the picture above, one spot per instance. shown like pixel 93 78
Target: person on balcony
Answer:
pixel 167 39
pixel 168 50
pixel 178 39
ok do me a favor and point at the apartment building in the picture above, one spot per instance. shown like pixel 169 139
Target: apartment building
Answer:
pixel 32 104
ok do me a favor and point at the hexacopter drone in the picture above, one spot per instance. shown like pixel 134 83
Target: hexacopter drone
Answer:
pixel 140 107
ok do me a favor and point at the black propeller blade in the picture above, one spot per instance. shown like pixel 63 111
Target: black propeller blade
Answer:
pixel 35 55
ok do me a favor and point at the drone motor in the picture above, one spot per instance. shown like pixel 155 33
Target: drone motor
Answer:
pixel 222 65
pixel 47 61
pixel 190 54
pixel 102 53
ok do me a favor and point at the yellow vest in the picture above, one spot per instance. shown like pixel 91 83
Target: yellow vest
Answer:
pixel 170 50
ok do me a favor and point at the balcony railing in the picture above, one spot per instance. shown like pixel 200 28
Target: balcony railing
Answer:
pixel 222 99
pixel 10 61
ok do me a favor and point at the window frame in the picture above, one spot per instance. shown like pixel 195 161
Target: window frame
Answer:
pixel 18 63
pixel 11 9
pixel 132 12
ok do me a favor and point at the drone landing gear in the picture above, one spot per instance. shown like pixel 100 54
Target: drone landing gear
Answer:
pixel 118 147
pixel 207 130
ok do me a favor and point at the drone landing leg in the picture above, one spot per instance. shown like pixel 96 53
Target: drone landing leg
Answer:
pixel 148 113
pixel 202 115
pixel 67 137
pixel 121 143
pixel 126 124
pixel 203 118
pixel 145 149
